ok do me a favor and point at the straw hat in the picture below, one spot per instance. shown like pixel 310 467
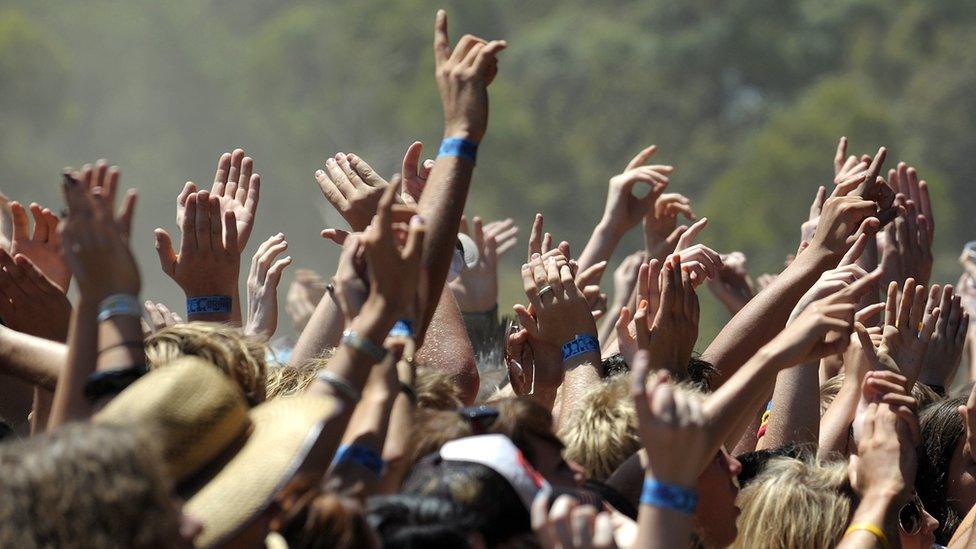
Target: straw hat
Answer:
pixel 227 460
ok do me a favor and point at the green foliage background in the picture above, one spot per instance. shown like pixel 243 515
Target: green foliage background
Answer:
pixel 746 97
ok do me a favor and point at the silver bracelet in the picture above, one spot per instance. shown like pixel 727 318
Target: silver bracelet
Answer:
pixel 339 384
pixel 361 344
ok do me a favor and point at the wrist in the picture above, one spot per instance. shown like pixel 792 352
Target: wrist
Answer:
pixel 462 130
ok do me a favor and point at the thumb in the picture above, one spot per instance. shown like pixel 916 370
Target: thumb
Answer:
pixel 164 247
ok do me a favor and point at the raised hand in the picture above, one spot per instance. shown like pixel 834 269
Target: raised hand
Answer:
pixel 43 247
pixel 905 337
pixel 159 315
pixel 352 187
pixel 623 209
pixel 505 232
pixel 904 180
pixel 463 75
pixel 476 288
pixel 835 280
pixel 534 367
pixel 210 252
pixel 262 286
pixel 413 172
pixel 906 245
pixel 29 301
pixel 672 336
pixel 885 463
pixel 237 190
pixel 396 276
pixel 667 419
pixel 95 248
pixel 570 525
pixel 559 309
pixel 662 220
pixel 732 284
pixel 304 294
pixel 944 352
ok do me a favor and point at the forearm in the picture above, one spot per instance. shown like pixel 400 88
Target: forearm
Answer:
pixel 878 511
pixel 30 358
pixel 40 410
pixel 765 315
pixel 835 426
pixel 448 349
pixel 397 446
pixel 368 429
pixel 441 206
pixel 659 526
pixel 69 399
pixel 600 247
pixel 323 331
pixel 583 372
pixel 120 344
pixel 795 417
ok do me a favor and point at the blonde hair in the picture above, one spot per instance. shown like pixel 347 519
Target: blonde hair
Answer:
pixel 602 432
pixel 436 390
pixel 291 380
pixel 922 393
pixel 795 503
pixel 86 485
pixel 240 357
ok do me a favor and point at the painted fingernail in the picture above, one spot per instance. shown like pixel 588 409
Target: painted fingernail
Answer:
pixel 643 305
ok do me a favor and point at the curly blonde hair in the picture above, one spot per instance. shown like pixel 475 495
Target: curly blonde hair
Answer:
pixel 86 485
pixel 795 503
pixel 602 432
pixel 240 357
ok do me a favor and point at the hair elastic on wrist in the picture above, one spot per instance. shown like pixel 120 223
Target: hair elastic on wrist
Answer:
pixel 209 304
pixel 363 455
pixel 340 385
pixel 868 527
pixel 582 343
pixel 119 305
pixel 668 496
pixel 355 341
pixel 111 382
pixel 456 146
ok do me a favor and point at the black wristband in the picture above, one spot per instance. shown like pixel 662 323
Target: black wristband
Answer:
pixel 111 382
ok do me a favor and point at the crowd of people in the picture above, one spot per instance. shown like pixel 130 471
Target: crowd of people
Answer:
pixel 409 412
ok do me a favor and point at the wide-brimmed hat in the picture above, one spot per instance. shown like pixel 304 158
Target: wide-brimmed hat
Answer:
pixel 228 461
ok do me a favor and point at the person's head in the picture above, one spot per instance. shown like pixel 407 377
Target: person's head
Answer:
pixel 480 492
pixel 717 491
pixel 795 503
pixel 291 380
pixel 405 521
pixel 239 357
pixel 432 428
pixel 700 372
pixel 529 426
pixel 946 478
pixel 436 390
pixel 88 484
pixel 602 433
pixel 309 517
pixel 916 527
pixel 922 393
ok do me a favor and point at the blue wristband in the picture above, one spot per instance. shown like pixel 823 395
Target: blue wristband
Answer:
pixel 357 453
pixel 208 304
pixel 403 327
pixel 582 343
pixel 456 146
pixel 668 496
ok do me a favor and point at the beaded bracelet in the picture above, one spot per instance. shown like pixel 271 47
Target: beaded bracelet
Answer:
pixel 582 343
pixel 457 146
pixel 668 496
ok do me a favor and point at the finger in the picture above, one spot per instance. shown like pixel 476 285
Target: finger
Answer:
pixel 231 239
pixel 164 248
pixel 463 46
pixel 220 175
pixel 127 211
pixel 926 206
pixel 817 208
pixel 642 157
pixel 905 307
pixel 414 246
pixel 525 319
pixel 891 304
pixel 243 180
pixel 274 273
pixel 411 159
pixel 351 175
pixel 592 274
pixel 840 155
pixel 338 178
pixel 928 327
pixel 335 235
pixel 189 188
pixel 869 312
pixel 384 210
pixel 689 236
pixel 546 243
pixel 535 237
pixel 479 234
pixel 234 175
pixel 21 223
pixel 216 230
pixel 253 195
pixel 442 46
pixel 918 307
pixel 41 232
pixel 955 315
pixel 913 186
pixel 854 253
pixel 330 190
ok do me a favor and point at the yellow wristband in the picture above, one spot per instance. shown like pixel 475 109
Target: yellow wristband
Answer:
pixel 868 527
